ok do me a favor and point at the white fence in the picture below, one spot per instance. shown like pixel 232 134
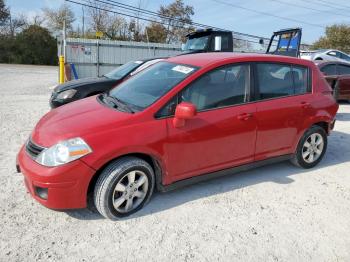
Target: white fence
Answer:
pixel 93 57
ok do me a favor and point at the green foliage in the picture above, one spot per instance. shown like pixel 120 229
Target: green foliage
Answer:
pixel 4 12
pixel 156 33
pixel 8 49
pixel 337 37
pixel 177 25
pixel 34 45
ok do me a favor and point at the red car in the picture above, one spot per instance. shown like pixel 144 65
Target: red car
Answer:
pixel 183 120
pixel 337 75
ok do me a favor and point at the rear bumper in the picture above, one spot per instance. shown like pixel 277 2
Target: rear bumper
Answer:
pixel 66 186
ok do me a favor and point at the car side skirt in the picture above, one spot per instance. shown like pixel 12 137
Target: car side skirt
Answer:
pixel 229 171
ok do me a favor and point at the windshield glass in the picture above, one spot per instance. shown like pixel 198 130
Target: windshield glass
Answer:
pixel 198 43
pixel 123 70
pixel 143 89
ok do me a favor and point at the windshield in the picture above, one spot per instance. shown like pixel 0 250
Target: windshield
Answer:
pixel 143 89
pixel 123 70
pixel 198 43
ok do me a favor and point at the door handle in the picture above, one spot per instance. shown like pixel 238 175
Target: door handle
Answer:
pixel 245 116
pixel 305 105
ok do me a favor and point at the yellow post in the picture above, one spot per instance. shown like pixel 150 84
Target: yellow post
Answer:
pixel 61 63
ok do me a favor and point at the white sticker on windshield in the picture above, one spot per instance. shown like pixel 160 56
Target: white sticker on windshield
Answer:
pixel 183 69
pixel 138 62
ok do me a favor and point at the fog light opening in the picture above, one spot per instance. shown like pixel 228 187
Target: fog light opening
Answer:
pixel 41 192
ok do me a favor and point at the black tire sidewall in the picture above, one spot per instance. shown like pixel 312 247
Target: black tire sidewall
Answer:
pixel 109 194
pixel 309 132
pixel 121 168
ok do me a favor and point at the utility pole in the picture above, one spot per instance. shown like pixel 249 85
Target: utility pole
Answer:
pixel 82 8
pixel 64 37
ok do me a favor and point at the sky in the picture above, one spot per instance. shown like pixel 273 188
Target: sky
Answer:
pixel 236 15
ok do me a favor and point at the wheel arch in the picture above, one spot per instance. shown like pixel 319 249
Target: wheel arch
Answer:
pixel 151 160
pixel 324 125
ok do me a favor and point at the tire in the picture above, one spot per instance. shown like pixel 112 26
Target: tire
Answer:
pixel 317 151
pixel 115 187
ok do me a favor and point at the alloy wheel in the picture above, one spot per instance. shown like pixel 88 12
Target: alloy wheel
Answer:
pixel 313 148
pixel 130 191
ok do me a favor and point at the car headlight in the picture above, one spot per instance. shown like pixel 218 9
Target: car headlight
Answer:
pixel 66 94
pixel 63 152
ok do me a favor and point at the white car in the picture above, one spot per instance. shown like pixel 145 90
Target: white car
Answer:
pixel 325 54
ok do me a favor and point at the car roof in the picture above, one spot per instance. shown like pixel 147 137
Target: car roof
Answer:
pixel 205 59
pixel 144 60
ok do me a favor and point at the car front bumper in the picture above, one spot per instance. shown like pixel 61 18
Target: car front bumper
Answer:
pixel 62 187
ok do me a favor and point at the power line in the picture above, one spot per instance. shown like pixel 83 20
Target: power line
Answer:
pixel 268 14
pixel 309 8
pixel 115 12
pixel 145 11
pixel 329 4
pixel 88 4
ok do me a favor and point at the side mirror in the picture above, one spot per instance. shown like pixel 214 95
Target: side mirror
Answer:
pixel 261 41
pixel 332 53
pixel 183 112
pixel 217 46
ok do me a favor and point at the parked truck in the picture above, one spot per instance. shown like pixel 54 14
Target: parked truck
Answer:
pixel 283 42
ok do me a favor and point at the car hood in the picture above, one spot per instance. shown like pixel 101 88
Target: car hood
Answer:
pixel 83 82
pixel 83 118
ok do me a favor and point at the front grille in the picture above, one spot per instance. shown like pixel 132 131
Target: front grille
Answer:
pixel 32 149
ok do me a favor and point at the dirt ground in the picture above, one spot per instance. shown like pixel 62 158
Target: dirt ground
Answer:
pixel 274 213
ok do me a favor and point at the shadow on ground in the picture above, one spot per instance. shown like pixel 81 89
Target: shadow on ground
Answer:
pixel 338 152
pixel 343 116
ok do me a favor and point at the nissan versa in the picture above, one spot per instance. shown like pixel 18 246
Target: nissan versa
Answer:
pixel 183 120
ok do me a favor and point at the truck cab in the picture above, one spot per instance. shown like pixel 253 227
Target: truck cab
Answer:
pixel 208 40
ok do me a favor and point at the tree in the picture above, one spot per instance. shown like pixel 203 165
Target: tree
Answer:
pixel 336 37
pixel 98 16
pixel 35 45
pixel 16 24
pixel 4 13
pixel 55 18
pixel 177 18
pixel 156 33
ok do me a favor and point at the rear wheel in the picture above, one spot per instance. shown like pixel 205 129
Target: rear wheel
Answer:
pixel 311 148
pixel 124 187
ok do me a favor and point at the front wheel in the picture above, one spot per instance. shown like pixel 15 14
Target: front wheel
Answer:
pixel 311 148
pixel 123 187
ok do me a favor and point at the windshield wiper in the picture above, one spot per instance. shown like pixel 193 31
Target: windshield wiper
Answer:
pixel 117 103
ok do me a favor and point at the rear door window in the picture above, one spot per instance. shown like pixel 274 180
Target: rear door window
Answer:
pixel 329 70
pixel 345 57
pixel 343 70
pixel 279 80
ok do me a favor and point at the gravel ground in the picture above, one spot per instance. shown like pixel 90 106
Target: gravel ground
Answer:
pixel 274 213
